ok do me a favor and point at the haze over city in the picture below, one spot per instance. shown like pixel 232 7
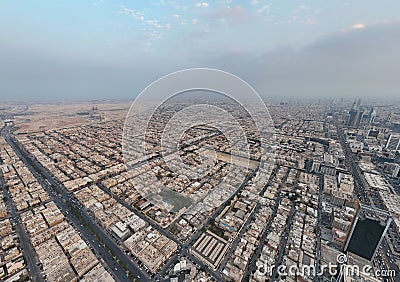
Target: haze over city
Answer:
pixel 60 50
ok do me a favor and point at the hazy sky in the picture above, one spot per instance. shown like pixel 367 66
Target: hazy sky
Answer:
pixel 113 49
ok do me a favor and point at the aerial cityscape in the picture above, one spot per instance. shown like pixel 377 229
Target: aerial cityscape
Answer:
pixel 200 141
pixel 72 211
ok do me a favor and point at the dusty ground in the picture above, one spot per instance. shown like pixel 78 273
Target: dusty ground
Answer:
pixel 42 116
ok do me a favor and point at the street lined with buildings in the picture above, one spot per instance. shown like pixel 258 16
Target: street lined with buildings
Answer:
pixel 73 211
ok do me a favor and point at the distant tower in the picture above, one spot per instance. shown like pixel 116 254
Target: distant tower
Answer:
pixel 358 103
pixel 393 142
pixel 372 116
pixel 360 115
pixel 396 171
pixel 389 118
pixel 354 107
pixel 355 114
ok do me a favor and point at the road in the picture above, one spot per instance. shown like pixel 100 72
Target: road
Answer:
pixel 285 235
pixel 257 253
pixel 90 231
pixel 319 222
pixel 27 248
pixel 360 189
pixel 245 226
pixel 100 239
pixel 105 246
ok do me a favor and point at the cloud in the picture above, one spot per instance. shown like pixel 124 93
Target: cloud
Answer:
pixel 353 63
pixel 358 26
pixel 227 14
pixel 357 63
pixel 202 5
pixel 310 21
pixel 262 9
pixel 132 12
pixel 160 3
pixel 254 2
pixel 151 29
pixel 154 23
pixel 225 2
pixel 180 7
pixel 364 43
pixel 97 3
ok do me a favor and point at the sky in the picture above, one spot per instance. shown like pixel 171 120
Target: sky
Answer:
pixel 112 49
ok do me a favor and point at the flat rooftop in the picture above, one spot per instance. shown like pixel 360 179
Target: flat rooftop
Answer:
pixel 365 238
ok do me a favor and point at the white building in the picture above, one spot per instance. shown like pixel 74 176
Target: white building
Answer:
pixel 393 142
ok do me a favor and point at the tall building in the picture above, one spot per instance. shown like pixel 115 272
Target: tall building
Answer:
pixel 396 171
pixel 393 142
pixel 389 118
pixel 371 116
pixel 351 120
pixel 355 114
pixel 373 133
pixel 367 232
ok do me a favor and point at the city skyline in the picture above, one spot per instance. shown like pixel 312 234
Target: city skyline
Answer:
pixel 108 49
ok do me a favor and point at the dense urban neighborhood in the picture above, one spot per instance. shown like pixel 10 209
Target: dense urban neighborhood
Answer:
pixel 71 210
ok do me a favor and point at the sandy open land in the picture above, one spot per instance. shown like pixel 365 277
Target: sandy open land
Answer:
pixel 35 117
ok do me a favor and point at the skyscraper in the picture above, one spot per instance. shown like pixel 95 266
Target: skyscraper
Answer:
pixel 355 114
pixel 393 142
pixel 389 118
pixel 372 115
pixel 367 232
